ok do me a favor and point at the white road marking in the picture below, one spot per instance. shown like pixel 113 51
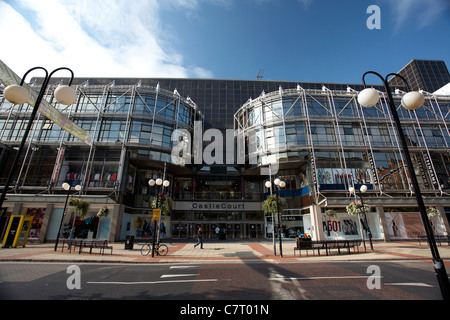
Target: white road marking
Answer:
pixel 151 282
pixel 318 278
pixel 177 275
pixel 410 284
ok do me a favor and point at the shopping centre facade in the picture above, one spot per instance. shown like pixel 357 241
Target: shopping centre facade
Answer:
pixel 217 142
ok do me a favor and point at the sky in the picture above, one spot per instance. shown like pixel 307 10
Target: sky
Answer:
pixel 291 40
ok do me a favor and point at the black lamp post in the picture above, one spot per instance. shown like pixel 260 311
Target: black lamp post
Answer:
pixel 66 187
pixel 362 190
pixel 17 94
pixel 159 182
pixel 278 184
pixel 411 101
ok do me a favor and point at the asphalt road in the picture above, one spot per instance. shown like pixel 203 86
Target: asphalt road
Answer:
pixel 240 282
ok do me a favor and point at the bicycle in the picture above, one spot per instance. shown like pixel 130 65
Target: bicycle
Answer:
pixel 160 249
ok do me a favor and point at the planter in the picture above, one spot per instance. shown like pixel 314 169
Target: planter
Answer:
pixel 304 242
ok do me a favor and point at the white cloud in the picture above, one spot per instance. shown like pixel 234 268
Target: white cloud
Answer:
pixel 306 3
pixel 421 13
pixel 94 38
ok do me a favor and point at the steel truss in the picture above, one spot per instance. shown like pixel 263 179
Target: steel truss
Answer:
pixel 275 109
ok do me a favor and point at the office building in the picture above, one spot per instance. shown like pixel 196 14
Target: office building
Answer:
pixel 426 75
pixel 227 135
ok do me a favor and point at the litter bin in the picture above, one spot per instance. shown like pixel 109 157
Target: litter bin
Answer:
pixel 129 242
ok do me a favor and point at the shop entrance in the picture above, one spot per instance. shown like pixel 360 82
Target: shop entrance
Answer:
pixel 226 230
pixel 234 231
pixel 254 230
pixel 180 230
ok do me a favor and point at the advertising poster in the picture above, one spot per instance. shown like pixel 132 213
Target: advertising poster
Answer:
pixel 38 215
pixel 406 225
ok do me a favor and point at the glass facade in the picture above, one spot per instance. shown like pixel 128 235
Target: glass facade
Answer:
pixel 314 137
pixel 349 144
pixel 427 75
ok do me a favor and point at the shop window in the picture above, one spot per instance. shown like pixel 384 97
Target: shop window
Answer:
pixel 38 214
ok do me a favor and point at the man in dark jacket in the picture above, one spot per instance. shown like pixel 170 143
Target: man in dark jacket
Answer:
pixel 200 238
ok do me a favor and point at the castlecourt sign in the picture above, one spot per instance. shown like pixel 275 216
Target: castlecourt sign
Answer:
pixel 217 206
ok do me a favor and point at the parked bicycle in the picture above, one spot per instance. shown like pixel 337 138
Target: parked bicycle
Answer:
pixel 160 249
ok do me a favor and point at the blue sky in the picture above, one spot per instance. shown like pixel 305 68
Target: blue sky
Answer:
pixel 295 40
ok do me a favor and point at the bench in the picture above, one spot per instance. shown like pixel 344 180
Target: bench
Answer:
pixel 86 243
pixel 100 244
pixel 104 246
pixel 343 244
pixel 72 243
pixel 439 239
pixel 327 245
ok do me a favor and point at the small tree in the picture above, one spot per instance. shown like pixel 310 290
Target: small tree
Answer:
pixel 270 205
pixel 432 211
pixel 357 207
pixel 164 203
pixel 82 206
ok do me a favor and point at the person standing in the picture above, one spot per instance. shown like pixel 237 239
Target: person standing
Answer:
pixel 199 238
pixel 217 232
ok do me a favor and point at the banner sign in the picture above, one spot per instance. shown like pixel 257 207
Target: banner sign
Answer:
pixel 8 77
pixel 429 166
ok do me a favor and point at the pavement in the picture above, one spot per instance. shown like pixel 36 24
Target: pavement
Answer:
pixel 221 252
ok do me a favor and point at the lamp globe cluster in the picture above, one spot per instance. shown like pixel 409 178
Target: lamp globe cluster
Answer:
pixel 18 94
pixel 411 100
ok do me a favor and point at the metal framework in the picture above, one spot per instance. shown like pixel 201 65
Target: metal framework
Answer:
pixel 96 109
pixel 351 128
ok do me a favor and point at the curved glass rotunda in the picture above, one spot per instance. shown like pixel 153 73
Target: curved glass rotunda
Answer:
pixel 322 142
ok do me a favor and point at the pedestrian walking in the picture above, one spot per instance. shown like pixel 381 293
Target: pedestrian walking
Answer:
pixel 199 238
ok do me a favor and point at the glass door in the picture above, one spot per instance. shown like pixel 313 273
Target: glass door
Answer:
pixel 179 231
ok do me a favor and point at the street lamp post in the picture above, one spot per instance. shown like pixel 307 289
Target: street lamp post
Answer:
pixel 411 101
pixel 17 94
pixel 66 187
pixel 279 184
pixel 268 185
pixel 160 183
pixel 362 190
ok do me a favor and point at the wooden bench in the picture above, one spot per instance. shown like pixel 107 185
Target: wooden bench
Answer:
pixel 439 239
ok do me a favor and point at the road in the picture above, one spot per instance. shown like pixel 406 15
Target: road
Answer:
pixel 242 281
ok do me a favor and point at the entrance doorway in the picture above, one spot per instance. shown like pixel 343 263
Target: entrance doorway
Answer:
pixel 180 230
pixel 254 230
pixel 234 231
pixel 229 230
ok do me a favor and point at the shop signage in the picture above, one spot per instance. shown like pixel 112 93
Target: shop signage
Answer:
pixel 286 218
pixel 373 167
pixel 429 166
pixel 313 166
pixel 217 206
pixel 156 214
